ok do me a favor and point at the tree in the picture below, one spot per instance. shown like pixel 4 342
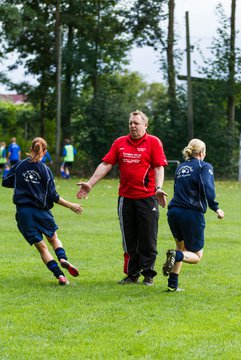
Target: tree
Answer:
pixel 154 26
pixel 231 68
pixel 118 96
pixel 222 87
pixel 17 120
pixel 224 65
pixel 93 44
pixel 171 73
pixel 33 39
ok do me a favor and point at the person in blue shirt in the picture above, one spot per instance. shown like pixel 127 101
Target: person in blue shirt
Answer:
pixel 47 158
pixel 194 191
pixel 68 154
pixel 14 152
pixel 34 196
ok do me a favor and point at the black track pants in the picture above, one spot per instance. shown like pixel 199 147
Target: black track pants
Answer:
pixel 139 228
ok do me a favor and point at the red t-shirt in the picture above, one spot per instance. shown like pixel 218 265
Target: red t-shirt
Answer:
pixel 137 160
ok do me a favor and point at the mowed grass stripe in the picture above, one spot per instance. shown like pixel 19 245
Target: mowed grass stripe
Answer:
pixel 94 317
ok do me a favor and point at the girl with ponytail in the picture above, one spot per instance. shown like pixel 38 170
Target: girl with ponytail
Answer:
pixel 194 191
pixel 34 196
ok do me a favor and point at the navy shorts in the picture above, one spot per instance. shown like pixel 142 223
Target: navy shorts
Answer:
pixel 187 225
pixel 68 164
pixel 33 223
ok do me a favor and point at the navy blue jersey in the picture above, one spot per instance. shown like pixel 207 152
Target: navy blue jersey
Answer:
pixel 33 184
pixel 194 186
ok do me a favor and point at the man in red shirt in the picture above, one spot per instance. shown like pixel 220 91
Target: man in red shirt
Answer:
pixel 141 160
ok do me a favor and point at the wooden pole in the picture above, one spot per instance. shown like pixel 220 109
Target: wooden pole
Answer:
pixel 189 82
pixel 231 69
pixel 239 174
pixel 59 70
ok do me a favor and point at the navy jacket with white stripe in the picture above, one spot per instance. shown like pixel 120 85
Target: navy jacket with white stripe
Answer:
pixel 33 184
pixel 194 186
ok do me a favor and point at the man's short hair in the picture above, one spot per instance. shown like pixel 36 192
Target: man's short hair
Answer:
pixel 142 115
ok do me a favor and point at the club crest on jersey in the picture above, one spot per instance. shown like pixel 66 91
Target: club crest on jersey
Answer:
pixel 32 176
pixel 184 171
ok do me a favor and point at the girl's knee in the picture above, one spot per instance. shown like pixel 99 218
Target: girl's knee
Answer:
pixel 41 246
pixel 199 256
pixel 52 239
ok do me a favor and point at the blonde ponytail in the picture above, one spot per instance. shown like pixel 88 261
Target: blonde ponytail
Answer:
pixel 37 149
pixel 193 149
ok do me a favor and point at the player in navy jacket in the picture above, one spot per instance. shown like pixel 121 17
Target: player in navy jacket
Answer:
pixel 34 196
pixel 194 191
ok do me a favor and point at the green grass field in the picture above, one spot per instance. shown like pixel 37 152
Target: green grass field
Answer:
pixel 96 318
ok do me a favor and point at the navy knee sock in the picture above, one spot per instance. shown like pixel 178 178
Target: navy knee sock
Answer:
pixel 179 256
pixel 60 253
pixel 173 281
pixel 53 266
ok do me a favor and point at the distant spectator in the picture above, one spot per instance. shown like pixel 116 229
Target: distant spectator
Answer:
pixel 3 155
pixel 68 154
pixel 4 166
pixel 47 158
pixel 14 152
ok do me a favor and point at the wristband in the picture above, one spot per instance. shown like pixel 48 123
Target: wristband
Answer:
pixel 158 188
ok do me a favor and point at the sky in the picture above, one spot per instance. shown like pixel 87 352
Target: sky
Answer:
pixel 202 24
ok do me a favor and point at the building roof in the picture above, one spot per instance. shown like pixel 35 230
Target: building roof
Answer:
pixel 13 98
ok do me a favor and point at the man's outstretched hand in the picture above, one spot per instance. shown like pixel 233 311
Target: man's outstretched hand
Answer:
pixel 85 188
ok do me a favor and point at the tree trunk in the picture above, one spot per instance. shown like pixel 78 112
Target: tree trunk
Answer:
pixel 96 55
pixel 189 83
pixel 231 68
pixel 42 117
pixel 68 89
pixel 58 80
pixel 170 62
